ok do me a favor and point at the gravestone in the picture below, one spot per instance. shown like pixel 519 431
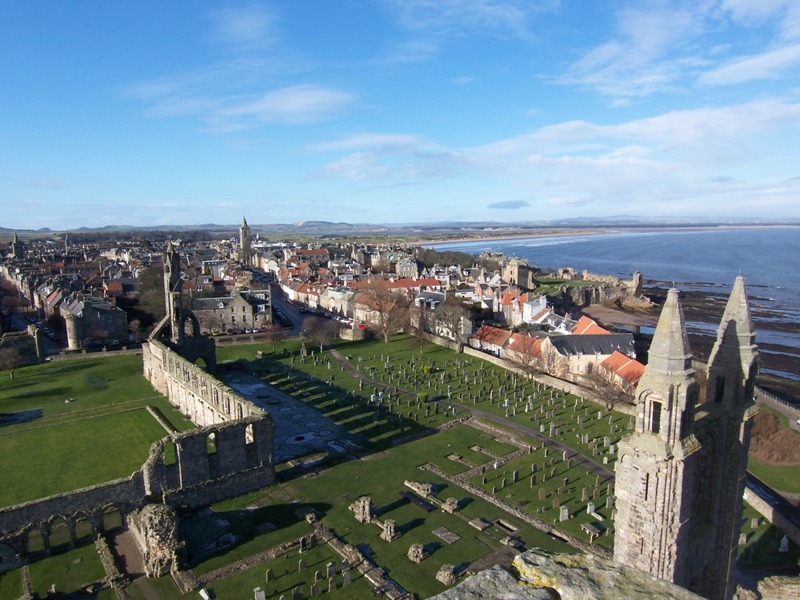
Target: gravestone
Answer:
pixel 268 575
pixel 590 508
pixel 301 564
pixel 258 594
pixel 331 584
pixel 345 577
pixel 315 591
pixel 563 513
pixel 330 569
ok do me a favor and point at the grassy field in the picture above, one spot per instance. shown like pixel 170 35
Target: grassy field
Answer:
pixel 331 491
pixel 437 372
pixel 102 433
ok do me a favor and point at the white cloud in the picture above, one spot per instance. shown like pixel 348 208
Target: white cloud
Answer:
pixel 370 140
pixel 295 104
pixel 359 166
pixel 457 17
pixel 648 53
pixel 772 64
pixel 244 27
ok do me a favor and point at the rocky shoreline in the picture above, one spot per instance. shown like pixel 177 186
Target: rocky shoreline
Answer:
pixel 703 310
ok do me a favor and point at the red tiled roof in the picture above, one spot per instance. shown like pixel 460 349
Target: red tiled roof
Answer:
pixel 492 335
pixel 629 369
pixel 586 326
pixel 525 344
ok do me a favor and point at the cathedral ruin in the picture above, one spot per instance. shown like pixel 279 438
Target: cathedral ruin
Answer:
pixel 681 473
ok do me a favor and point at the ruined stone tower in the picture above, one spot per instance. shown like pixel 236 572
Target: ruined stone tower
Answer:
pixel 172 289
pixel 680 475
pixel 244 242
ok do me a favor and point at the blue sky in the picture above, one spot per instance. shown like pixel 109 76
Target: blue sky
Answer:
pixel 392 111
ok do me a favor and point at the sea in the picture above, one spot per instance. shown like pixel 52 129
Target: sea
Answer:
pixel 702 260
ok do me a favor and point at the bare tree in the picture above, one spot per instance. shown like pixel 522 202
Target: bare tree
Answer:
pixel 524 351
pixel 10 359
pixel 275 334
pixel 322 331
pixel 390 308
pixel 605 387
pixel 449 318
pixel 549 361
pixel 420 322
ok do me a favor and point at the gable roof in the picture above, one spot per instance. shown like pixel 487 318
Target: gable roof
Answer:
pixel 629 369
pixel 586 326
pixel 570 345
pixel 492 335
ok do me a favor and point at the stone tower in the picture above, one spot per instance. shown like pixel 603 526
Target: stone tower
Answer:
pixel 680 475
pixel 244 242
pixel 172 289
pixel 17 249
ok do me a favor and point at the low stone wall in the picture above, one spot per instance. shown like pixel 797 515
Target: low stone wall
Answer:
pixel 773 516
pixel 520 514
pixel 554 382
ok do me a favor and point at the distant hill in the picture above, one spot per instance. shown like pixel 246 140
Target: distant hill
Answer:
pixel 328 228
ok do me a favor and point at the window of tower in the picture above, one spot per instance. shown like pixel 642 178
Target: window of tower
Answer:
pixel 719 389
pixel 655 417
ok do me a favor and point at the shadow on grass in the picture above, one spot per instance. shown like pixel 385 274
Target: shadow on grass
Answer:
pixel 412 524
pixel 54 391
pixel 20 416
pixel 209 534
pixel 380 510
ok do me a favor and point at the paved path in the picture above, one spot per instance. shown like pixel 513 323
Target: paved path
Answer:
pixel 579 458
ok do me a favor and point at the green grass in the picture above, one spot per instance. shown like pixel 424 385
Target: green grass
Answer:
pixel 92 382
pixel 331 491
pixel 68 456
pixel 69 571
pixel 11 584
pixel 469 380
pixel 287 576
pixel 761 548
pixel 69 445
pixel 780 477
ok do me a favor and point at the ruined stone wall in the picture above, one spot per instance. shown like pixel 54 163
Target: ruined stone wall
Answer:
pixel 200 396
pixel 212 463
pixel 232 454
pixel 123 494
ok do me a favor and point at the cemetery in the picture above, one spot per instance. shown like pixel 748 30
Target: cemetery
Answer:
pixel 409 467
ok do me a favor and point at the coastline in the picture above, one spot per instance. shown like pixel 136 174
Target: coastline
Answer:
pixel 537 233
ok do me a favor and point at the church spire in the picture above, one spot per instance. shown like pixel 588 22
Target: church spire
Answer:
pixel 669 352
pixel 667 391
pixel 244 222
pixel 735 354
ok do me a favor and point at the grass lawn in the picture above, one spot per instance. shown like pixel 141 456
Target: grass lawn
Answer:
pixel 287 576
pixel 103 433
pixel 69 571
pixel 92 382
pixel 781 477
pixel 761 549
pixel 73 455
pixel 11 584
pixel 438 372
pixel 331 491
